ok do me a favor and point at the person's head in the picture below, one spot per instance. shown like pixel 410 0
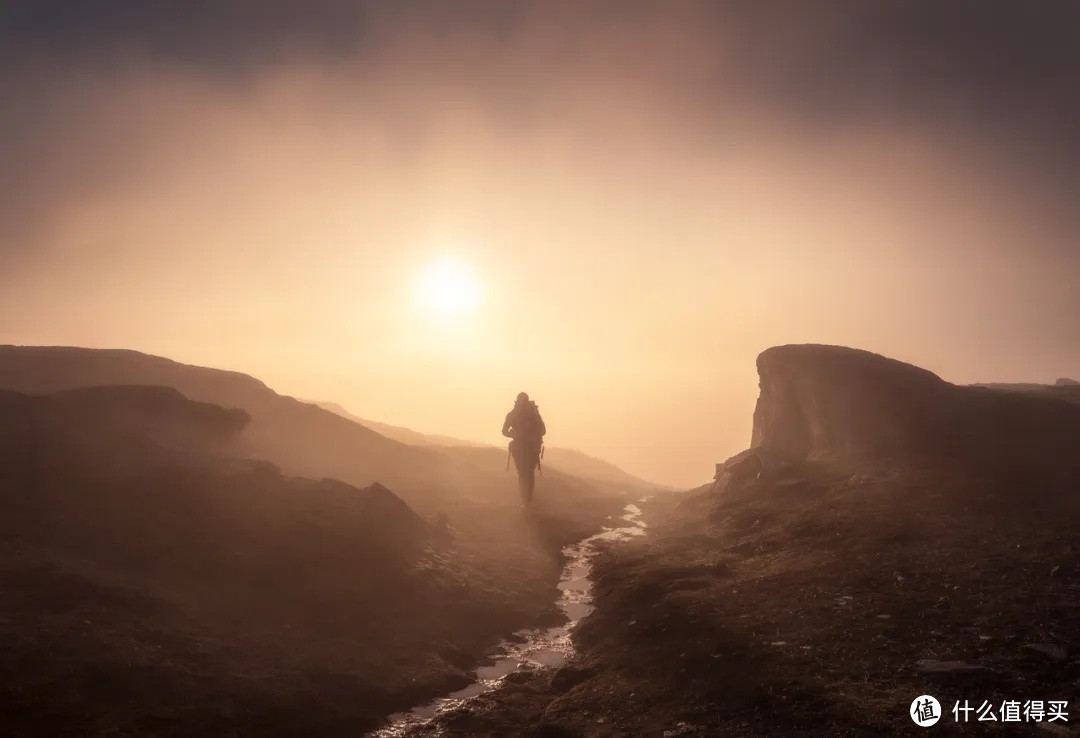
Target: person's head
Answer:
pixel 522 398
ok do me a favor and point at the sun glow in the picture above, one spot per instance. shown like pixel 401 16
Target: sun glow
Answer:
pixel 447 288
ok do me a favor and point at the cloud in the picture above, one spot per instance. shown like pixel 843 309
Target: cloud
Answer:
pixel 991 73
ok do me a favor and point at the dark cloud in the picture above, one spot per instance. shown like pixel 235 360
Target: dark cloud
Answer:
pixel 999 71
pixel 201 32
pixel 1011 67
pixel 986 57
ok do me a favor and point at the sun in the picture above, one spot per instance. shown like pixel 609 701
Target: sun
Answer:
pixel 447 288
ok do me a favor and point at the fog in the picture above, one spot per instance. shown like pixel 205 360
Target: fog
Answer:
pixel 648 198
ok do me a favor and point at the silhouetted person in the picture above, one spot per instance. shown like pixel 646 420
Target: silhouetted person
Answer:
pixel 525 429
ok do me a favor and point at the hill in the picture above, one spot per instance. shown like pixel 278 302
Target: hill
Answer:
pixel 568 461
pixel 301 438
pixel 298 436
pixel 1062 389
pixel 153 585
pixel 397 432
pixel 165 529
pixel 888 535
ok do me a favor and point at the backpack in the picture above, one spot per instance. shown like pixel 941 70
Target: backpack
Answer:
pixel 528 423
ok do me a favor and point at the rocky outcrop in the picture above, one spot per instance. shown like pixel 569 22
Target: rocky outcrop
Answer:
pixel 152 409
pixel 132 427
pixel 740 469
pixel 1065 382
pixel 45 369
pixel 832 402
pixel 302 439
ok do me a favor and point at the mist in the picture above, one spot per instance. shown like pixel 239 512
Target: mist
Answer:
pixel 649 198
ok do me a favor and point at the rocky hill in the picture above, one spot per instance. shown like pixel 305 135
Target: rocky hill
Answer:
pixel 822 402
pixel 153 584
pixel 178 559
pixel 888 535
pixel 300 437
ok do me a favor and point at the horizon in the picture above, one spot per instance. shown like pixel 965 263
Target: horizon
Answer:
pixel 416 213
pixel 359 417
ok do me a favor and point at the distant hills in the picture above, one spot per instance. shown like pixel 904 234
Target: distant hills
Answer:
pixel 566 460
pixel 1062 389
pixel 396 432
pixel 302 437
pixel 298 436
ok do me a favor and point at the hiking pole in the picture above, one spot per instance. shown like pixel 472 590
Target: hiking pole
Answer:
pixel 508 457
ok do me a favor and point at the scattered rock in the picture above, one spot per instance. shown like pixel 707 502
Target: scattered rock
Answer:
pixel 741 468
pixel 933 666
pixel 1053 650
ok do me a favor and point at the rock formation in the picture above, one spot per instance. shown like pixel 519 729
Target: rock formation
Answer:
pixel 832 402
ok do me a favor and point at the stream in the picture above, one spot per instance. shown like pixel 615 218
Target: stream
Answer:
pixel 527 649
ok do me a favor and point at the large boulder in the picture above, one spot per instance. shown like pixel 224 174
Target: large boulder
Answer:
pixel 741 468
pixel 833 402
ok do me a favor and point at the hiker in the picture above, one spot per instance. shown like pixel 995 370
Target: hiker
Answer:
pixel 525 429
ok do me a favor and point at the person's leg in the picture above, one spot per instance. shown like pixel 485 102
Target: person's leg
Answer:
pixel 521 464
pixel 523 488
pixel 533 462
pixel 530 483
pixel 526 459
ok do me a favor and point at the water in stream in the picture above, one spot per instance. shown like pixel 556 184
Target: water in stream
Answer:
pixel 528 649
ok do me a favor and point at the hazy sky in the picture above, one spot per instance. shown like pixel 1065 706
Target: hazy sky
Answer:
pixel 647 194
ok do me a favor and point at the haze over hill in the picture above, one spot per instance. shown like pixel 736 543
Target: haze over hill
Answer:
pixel 418 210
pixel 299 436
pixel 633 197
pixel 567 460
pixel 148 575
pixel 166 506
